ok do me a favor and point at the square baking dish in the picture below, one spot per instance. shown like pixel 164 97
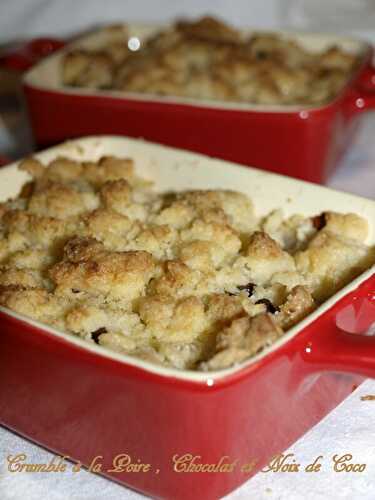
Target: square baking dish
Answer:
pixel 302 141
pixel 83 401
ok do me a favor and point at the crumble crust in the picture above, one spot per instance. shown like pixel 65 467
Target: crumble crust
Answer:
pixel 192 280
pixel 207 59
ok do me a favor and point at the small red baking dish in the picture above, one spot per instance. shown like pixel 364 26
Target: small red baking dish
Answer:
pixel 83 401
pixel 304 142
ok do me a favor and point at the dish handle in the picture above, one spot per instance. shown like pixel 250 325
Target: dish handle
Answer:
pixel 362 97
pixel 345 341
pixel 22 57
pixel 3 161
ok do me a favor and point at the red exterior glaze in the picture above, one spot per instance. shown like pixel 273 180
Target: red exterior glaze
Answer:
pixel 3 161
pixel 25 56
pixel 304 144
pixel 342 341
pixel 81 404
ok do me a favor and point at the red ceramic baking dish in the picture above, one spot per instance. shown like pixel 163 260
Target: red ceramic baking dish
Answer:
pixel 304 142
pixel 83 401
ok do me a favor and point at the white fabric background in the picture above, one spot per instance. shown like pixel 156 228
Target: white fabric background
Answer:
pixel 24 17
pixel 349 428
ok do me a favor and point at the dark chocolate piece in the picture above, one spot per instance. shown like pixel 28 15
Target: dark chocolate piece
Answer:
pixel 96 334
pixel 270 307
pixel 249 288
pixel 319 221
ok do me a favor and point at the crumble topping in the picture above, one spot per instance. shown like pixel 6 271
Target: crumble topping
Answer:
pixel 207 59
pixel 192 280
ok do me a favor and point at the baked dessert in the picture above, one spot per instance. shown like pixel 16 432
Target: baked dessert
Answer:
pixel 206 59
pixel 193 280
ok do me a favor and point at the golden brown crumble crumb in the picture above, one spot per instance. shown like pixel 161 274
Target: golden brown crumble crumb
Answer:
pixel 368 397
pixel 192 280
pixel 207 59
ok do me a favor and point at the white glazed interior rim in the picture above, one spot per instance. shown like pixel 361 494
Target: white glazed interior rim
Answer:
pixel 46 74
pixel 172 163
